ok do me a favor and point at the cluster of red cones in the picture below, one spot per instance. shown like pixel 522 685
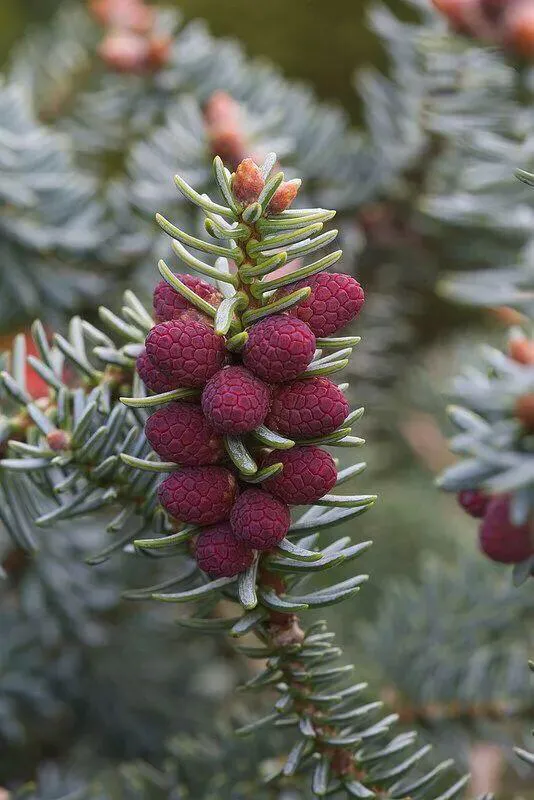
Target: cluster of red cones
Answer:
pixel 238 392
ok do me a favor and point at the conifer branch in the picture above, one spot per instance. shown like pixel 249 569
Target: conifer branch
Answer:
pixel 80 432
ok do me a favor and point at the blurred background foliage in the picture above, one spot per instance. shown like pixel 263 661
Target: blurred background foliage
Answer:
pixel 322 43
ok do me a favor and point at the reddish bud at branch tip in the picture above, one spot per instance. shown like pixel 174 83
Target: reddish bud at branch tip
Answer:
pixel 284 196
pixel 221 109
pixel 58 440
pixel 129 52
pixel 247 182
pixel 522 350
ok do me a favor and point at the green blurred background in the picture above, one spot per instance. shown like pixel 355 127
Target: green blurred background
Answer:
pixel 320 42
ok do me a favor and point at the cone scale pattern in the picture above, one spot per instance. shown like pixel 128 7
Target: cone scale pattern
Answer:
pixel 246 363
pixel 279 348
pixel 181 433
pixel 201 495
pixel 234 401
pixel 304 409
pixel 259 520
pixel 220 554
pixel 168 304
pixel 334 300
pixel 187 351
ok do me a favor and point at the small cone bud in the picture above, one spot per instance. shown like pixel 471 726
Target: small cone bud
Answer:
pixel 279 348
pixel 507 315
pixel 229 143
pixel 335 300
pixel 524 411
pixel 219 554
pixel 284 196
pixel 168 304
pixel 247 182
pixel 221 109
pixel 235 401
pixel 58 440
pixel 123 15
pixel 522 350
pixel 125 51
pixel 186 351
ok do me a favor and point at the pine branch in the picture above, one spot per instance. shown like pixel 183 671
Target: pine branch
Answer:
pixel 52 226
pixel 81 451
pixel 481 689
pixel 80 432
pixel 493 412
pixel 445 153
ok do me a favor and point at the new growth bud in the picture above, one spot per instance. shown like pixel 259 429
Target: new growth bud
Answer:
pixel 247 182
pixel 125 51
pixel 224 129
pixel 131 44
pixel 58 440
pixel 519 28
pixel 123 15
pixel 284 196
pixel 521 350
